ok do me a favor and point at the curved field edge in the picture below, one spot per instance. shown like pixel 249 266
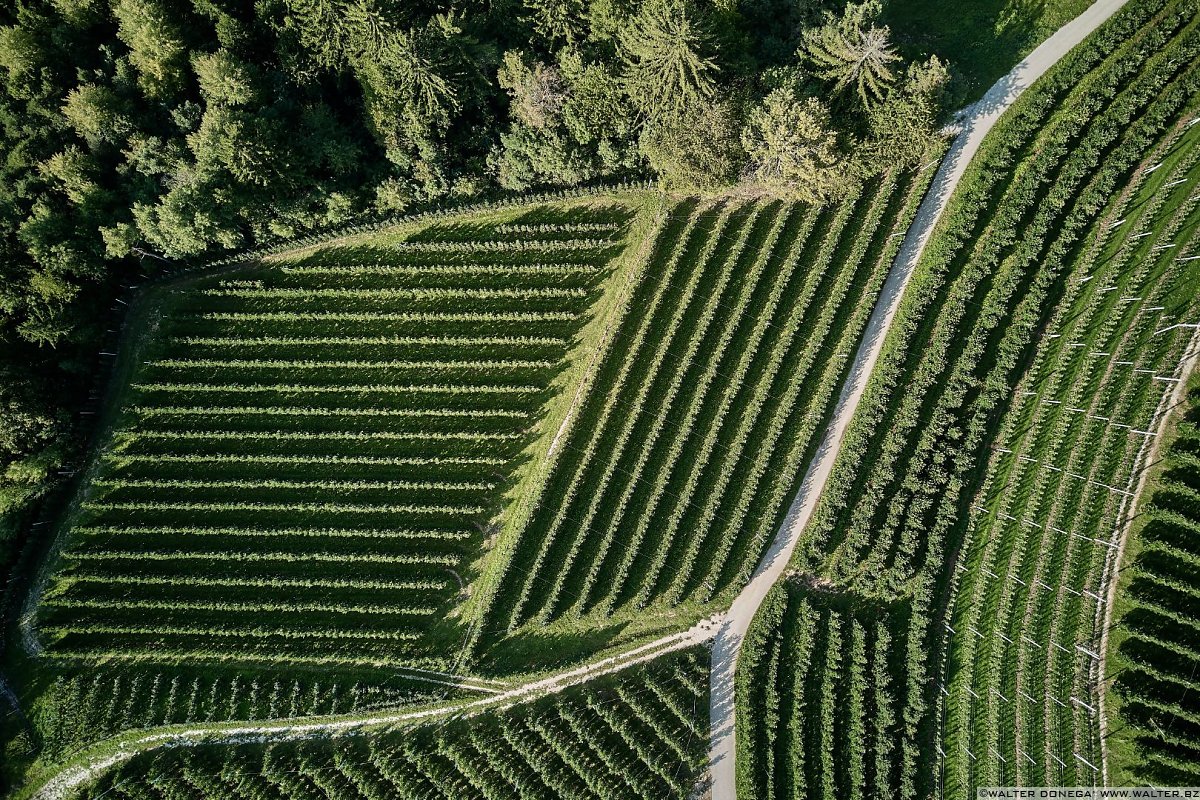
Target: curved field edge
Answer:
pixel 59 781
pixel 635 734
pixel 882 385
pixel 1130 731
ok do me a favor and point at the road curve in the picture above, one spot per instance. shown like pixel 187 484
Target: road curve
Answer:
pixel 973 124
pixel 975 121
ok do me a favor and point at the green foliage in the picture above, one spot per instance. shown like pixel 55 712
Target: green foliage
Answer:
pixel 326 29
pixel 670 483
pixel 535 91
pixel 557 21
pixel 141 134
pixel 669 56
pixel 157 49
pixel 98 114
pixel 21 56
pixel 225 80
pixel 696 148
pixel 852 51
pixel 818 714
pixel 793 149
pixel 571 122
pixel 85 705
pixel 149 129
pixel 904 127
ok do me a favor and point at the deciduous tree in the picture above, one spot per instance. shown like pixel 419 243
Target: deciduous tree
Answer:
pixel 157 49
pixel 697 148
pixel 792 147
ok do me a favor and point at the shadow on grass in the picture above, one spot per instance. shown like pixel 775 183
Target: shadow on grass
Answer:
pixel 548 649
pixel 467 230
pixel 982 39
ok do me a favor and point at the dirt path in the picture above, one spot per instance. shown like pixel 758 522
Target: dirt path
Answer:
pixel 973 124
pixel 92 763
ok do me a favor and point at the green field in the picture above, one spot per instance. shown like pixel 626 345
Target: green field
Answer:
pixel 1037 561
pixel 828 718
pixel 1154 649
pixel 311 451
pixel 424 467
pixel 637 735
pixel 346 459
pixel 303 468
pixel 981 484
pixel 671 484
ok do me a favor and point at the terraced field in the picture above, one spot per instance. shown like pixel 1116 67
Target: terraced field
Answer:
pixel 672 481
pixel 638 735
pixel 986 478
pixel 311 451
pixel 1154 651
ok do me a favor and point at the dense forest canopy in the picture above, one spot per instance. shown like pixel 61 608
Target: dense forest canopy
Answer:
pixel 141 131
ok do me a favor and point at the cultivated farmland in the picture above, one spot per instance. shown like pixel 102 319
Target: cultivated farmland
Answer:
pixel 311 451
pixel 671 483
pixel 986 478
pixel 637 735
pixel 827 715
pixel 1027 616
pixel 1153 652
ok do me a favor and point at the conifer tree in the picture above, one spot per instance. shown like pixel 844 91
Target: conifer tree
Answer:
pixel 853 51
pixel 668 57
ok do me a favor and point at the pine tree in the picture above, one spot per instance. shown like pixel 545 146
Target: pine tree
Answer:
pixel 156 45
pixel 853 51
pixel 558 21
pixel 667 57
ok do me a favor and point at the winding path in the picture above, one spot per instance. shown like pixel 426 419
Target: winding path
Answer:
pixel 90 764
pixel 972 126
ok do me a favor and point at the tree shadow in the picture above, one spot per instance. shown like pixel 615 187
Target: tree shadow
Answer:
pixel 982 39
pixel 548 649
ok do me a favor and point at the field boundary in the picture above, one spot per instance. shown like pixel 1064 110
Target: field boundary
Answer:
pixel 974 122
pixel 87 765
pixel 1115 559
